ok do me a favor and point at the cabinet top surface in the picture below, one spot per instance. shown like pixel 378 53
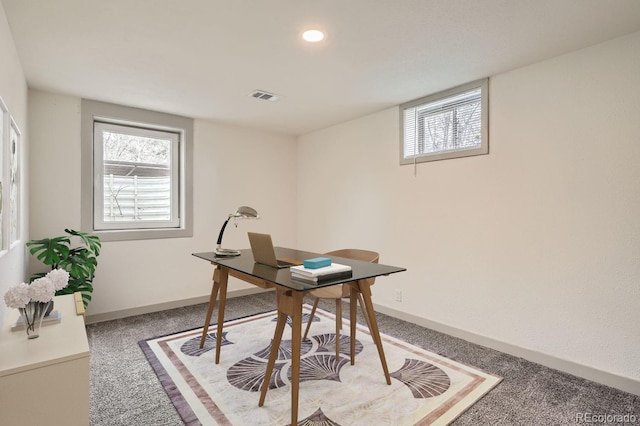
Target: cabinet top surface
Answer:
pixel 57 343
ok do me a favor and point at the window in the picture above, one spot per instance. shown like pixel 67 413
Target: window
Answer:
pixel 450 124
pixel 138 186
pixel 136 173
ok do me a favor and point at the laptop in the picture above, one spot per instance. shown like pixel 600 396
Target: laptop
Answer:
pixel 264 253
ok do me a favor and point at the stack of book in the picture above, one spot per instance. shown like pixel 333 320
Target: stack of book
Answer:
pixel 318 270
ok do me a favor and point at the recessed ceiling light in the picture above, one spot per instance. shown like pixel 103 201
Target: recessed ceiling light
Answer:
pixel 313 36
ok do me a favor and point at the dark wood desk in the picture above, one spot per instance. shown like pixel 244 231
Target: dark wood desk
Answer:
pixel 289 298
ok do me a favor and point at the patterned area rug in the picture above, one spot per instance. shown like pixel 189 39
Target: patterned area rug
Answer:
pixel 426 388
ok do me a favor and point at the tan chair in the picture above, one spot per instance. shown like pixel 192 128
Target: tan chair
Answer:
pixel 338 292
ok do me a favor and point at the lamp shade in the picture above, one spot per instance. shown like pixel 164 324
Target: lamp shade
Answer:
pixel 246 212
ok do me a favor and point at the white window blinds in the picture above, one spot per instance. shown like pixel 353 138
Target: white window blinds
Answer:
pixel 446 125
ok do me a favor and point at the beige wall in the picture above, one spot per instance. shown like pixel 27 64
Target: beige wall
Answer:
pixel 13 90
pixel 534 248
pixel 232 167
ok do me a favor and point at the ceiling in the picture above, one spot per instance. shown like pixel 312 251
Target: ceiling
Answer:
pixel 202 58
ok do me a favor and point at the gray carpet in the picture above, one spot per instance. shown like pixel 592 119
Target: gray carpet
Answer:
pixel 126 391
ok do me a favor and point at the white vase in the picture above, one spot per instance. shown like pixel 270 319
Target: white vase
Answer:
pixel 32 313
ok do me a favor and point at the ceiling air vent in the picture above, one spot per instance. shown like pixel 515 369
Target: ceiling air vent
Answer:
pixel 265 96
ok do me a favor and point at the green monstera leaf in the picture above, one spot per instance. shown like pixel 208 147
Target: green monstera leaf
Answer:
pixel 81 262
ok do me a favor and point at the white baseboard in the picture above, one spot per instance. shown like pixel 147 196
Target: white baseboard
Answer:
pixel 108 316
pixel 623 383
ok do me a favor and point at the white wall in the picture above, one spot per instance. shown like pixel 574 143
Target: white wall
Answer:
pixel 13 90
pixel 534 247
pixel 232 167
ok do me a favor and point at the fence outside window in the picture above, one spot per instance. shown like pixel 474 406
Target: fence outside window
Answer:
pixel 136 198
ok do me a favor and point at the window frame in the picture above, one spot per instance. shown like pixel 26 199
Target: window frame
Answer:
pixel 93 112
pixel 483 85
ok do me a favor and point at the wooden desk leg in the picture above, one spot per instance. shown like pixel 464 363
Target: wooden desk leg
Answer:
pixel 289 304
pixel 353 307
pixel 212 301
pixel 222 300
pixel 296 332
pixel 220 280
pixel 273 355
pixel 365 290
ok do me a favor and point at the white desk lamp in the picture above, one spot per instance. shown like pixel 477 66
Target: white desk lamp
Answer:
pixel 243 212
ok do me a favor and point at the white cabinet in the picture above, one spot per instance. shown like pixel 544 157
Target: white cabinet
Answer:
pixel 46 380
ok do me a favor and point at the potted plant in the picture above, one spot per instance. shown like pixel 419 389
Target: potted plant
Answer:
pixel 80 261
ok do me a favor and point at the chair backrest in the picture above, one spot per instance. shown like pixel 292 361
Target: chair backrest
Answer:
pixel 356 254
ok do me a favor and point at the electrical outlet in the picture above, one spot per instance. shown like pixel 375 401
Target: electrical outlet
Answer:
pixel 398 295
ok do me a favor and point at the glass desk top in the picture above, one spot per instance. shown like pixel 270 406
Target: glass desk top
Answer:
pixel 282 277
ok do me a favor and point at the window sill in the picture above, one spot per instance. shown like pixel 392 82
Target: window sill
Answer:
pixel 141 234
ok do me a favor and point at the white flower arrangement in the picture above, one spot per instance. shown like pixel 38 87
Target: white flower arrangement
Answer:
pixel 40 290
pixel 59 278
